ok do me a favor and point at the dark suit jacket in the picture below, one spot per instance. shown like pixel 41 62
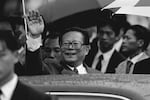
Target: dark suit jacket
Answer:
pixel 67 70
pixel 50 67
pixel 115 59
pixel 33 64
pixel 142 67
pixel 23 92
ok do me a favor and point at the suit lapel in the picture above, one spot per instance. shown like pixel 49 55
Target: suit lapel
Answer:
pixel 90 70
pixel 115 59
pixel 66 69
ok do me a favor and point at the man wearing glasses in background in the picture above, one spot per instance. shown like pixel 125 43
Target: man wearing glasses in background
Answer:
pixel 74 43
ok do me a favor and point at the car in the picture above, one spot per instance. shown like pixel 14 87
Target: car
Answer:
pixel 83 87
pixel 93 93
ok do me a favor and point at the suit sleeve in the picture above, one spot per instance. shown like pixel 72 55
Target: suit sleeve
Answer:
pixel 33 62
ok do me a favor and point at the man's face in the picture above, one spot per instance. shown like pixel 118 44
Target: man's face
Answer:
pixel 107 38
pixel 7 61
pixel 20 34
pixel 52 50
pixel 130 42
pixel 73 48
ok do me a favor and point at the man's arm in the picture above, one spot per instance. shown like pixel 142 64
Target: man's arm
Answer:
pixel 34 41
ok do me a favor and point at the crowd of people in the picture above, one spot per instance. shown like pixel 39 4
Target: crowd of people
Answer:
pixel 70 51
pixel 47 51
pixel 118 48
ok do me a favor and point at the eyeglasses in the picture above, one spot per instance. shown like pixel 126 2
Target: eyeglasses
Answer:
pixel 47 49
pixel 73 44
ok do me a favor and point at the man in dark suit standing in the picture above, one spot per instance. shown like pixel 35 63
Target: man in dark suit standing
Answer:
pixel 102 55
pixel 11 88
pixel 74 44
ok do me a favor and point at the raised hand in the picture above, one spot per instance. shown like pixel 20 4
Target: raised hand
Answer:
pixel 35 23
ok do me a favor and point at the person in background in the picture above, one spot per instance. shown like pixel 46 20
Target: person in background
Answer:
pixel 19 33
pixel 123 26
pixel 135 42
pixel 74 44
pixel 11 87
pixel 17 24
pixel 51 54
pixel 102 55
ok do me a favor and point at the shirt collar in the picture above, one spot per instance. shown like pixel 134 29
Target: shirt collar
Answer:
pixel 118 44
pixel 81 69
pixel 78 67
pixel 106 55
pixel 139 57
pixel 8 88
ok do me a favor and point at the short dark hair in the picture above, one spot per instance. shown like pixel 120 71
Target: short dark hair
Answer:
pixel 82 31
pixel 141 32
pixel 52 35
pixel 111 23
pixel 9 39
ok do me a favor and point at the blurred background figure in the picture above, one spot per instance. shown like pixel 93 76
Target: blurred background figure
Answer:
pixel 19 33
pixel 8 78
pixel 6 24
pixel 17 24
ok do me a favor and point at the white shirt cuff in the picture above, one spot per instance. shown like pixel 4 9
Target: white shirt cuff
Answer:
pixel 34 43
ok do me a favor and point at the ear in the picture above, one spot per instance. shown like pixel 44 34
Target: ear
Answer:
pixel 87 49
pixel 140 42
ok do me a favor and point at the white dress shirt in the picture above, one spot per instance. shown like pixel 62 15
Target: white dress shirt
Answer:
pixel 8 88
pixel 105 61
pixel 118 44
pixel 81 69
pixel 34 43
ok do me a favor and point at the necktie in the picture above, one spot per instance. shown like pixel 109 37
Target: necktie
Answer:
pixel 75 70
pixel 99 64
pixel 129 64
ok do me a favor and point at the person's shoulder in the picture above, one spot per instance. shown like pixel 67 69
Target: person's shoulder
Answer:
pixel 142 67
pixel 119 55
pixel 145 61
pixel 32 93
